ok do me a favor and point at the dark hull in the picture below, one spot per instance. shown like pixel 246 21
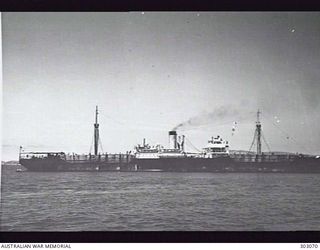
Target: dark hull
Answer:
pixel 226 164
pixel 58 165
pixel 219 164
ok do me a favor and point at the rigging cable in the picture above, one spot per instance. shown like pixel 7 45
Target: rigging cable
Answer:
pixel 254 140
pixel 194 147
pixel 100 143
pixel 207 126
pixel 91 144
pixel 135 126
pixel 288 136
pixel 265 141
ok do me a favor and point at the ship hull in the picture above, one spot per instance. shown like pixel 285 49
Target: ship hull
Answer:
pixel 226 164
pixel 58 165
pixel 184 164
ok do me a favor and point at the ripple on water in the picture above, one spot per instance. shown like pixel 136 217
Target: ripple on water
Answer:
pixel 158 201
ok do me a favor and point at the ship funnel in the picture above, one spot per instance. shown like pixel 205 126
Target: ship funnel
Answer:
pixel 172 139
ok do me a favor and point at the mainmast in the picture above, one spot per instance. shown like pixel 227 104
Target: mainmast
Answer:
pixel 96 133
pixel 258 133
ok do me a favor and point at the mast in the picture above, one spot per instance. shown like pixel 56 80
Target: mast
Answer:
pixel 20 150
pixel 258 133
pixel 96 133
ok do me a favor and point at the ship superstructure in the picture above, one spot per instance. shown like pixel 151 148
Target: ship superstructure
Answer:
pixel 216 147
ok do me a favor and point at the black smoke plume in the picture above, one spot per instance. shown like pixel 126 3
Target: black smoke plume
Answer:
pixel 221 114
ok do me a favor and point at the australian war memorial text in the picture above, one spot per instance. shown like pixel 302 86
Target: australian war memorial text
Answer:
pixel 35 245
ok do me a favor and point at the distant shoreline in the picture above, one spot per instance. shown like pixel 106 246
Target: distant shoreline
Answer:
pixel 10 163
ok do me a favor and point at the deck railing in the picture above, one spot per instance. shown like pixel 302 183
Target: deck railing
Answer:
pixel 110 158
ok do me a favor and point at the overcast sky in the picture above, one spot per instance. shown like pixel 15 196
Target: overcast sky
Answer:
pixel 149 72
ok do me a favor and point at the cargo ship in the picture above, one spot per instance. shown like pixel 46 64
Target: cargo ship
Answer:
pixel 214 157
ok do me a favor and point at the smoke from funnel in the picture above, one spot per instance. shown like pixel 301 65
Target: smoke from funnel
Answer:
pixel 218 115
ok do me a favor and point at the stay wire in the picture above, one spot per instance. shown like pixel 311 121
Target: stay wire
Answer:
pixel 194 147
pixel 91 144
pixel 100 143
pixel 287 135
pixel 253 141
pixel 265 141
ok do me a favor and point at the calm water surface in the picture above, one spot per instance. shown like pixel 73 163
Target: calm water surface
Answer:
pixel 158 201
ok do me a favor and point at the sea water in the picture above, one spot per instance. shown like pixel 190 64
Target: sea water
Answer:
pixel 139 201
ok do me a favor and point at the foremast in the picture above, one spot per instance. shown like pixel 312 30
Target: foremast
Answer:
pixel 96 133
